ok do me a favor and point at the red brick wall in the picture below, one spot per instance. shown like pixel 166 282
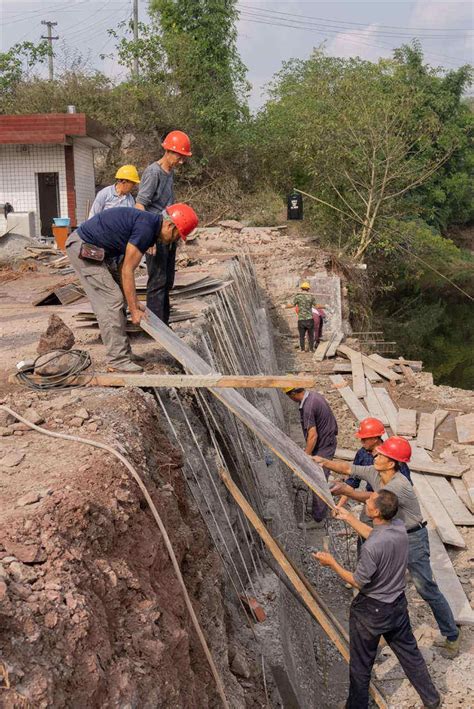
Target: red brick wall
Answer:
pixel 41 127
pixel 70 184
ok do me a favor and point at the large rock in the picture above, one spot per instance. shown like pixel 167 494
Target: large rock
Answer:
pixel 55 362
pixel 58 336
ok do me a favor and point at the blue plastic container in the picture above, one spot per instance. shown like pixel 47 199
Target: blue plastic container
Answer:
pixel 61 221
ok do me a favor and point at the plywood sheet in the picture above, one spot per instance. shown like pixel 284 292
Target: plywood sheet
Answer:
pixel 465 428
pixel 287 450
pixel 436 512
pixel 448 582
pixel 406 422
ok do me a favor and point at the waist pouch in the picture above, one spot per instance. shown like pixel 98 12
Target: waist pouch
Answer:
pixel 89 252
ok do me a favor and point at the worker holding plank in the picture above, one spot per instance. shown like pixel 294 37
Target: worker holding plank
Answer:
pixel 385 474
pixel 155 194
pixel 99 241
pixel 320 432
pixel 380 608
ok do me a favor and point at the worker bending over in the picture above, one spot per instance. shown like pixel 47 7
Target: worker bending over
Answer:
pixel 319 427
pixel 305 301
pixel 155 194
pixel 384 474
pixel 98 241
pixel 380 608
pixel 118 194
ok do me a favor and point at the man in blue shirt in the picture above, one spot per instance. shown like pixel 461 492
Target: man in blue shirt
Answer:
pixel 122 232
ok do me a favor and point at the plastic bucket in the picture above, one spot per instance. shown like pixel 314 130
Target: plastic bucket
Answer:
pixel 61 221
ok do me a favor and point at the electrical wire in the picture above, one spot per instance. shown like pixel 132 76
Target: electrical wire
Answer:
pixel 77 361
pixel 161 526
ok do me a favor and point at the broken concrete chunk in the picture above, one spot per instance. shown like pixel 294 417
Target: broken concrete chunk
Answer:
pixel 5 418
pixel 29 499
pixel 82 414
pixel 33 416
pixel 11 460
pixel 239 665
pixel 58 336
pixel 76 421
pixel 22 573
pixel 231 224
pixel 5 431
pixel 3 590
pixel 53 363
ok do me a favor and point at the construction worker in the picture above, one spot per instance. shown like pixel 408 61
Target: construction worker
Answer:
pixel 320 433
pixel 305 301
pixel 115 233
pixel 155 194
pixel 118 194
pixel 385 474
pixel 380 607
pixel 370 435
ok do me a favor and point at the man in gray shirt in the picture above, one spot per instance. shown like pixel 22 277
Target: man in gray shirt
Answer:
pixel 380 609
pixel 383 474
pixel 155 194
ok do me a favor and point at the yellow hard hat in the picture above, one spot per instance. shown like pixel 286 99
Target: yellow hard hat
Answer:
pixel 286 390
pixel 305 285
pixel 127 172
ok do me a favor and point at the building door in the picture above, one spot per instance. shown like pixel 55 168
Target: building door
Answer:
pixel 48 193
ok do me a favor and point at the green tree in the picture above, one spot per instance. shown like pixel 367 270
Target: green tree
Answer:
pixel 17 63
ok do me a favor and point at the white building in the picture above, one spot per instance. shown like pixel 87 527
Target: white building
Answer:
pixel 47 166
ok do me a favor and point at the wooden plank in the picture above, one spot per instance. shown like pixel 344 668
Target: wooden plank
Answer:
pixel 407 372
pixel 448 582
pixel 287 450
pixel 451 502
pixel 358 376
pixel 302 586
pixel 437 513
pixel 373 405
pixel 321 350
pixel 356 406
pixel 371 375
pixel 432 468
pixel 465 428
pixel 388 406
pixel 335 342
pixel 373 364
pixel 179 381
pixel 426 431
pixel 463 493
pixel 406 422
pixel 440 415
pixel 468 480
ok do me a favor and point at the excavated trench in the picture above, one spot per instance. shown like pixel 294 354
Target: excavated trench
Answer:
pixel 92 613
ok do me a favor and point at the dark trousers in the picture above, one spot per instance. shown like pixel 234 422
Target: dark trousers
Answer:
pixel 319 508
pixel 369 621
pixel 306 326
pixel 161 268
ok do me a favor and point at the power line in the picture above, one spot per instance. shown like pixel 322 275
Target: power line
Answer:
pixel 50 39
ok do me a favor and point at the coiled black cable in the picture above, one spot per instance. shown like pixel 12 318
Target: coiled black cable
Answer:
pixel 78 362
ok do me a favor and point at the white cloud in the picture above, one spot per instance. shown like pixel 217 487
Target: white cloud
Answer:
pixel 427 14
pixel 358 43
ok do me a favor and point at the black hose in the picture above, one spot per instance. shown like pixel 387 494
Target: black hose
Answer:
pixel 78 361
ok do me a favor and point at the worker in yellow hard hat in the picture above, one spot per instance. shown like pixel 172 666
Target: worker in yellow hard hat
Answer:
pixel 304 302
pixel 118 194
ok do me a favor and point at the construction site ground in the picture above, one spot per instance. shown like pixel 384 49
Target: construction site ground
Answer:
pixel 81 580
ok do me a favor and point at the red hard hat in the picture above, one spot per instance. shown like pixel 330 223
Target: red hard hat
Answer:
pixel 183 217
pixel 370 428
pixel 396 448
pixel 178 142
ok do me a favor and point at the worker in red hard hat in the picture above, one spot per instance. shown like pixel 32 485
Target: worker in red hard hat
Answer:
pixel 370 433
pixel 385 474
pixel 155 194
pixel 121 233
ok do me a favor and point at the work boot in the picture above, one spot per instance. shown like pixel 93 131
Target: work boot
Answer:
pixel 125 367
pixel 136 357
pixel 433 706
pixel 312 524
pixel 449 648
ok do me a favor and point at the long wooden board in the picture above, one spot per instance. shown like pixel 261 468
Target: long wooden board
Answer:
pixel 355 405
pixel 432 467
pixel 440 415
pixel 321 350
pixel 373 364
pixel 335 342
pixel 358 376
pixel 388 406
pixel 371 375
pixel 426 431
pixel 465 428
pixel 436 511
pixel 179 381
pixel 450 501
pixel 373 405
pixel 287 450
pixel 300 583
pixel 406 422
pixel 407 372
pixel 463 493
pixel 448 582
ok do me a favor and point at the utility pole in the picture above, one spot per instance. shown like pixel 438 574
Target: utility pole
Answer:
pixel 135 37
pixel 50 38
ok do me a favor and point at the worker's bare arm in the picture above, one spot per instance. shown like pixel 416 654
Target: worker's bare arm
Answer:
pixel 348 491
pixel 341 467
pixel 140 206
pixel 311 439
pixel 362 529
pixel 133 256
pixel 327 559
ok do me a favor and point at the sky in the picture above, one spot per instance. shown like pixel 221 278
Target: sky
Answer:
pixel 269 32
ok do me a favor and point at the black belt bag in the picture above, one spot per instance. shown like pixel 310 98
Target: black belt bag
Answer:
pixel 419 526
pixel 89 252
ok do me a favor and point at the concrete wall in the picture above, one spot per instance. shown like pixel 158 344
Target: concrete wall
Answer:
pixel 19 165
